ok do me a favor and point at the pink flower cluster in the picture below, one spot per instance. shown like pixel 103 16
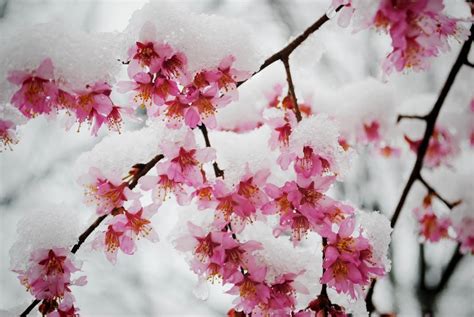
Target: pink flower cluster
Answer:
pixel 49 277
pixel 129 221
pixel 40 93
pixel 348 261
pixel 419 30
pixel 218 255
pixel 434 227
pixel 124 228
pixel 161 83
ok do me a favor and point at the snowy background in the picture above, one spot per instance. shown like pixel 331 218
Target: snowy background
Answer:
pixel 156 281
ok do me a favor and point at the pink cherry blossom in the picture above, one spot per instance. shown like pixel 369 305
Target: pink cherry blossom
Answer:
pixel 106 194
pixel 251 289
pixel 432 227
pixel 465 234
pixel 185 161
pixel 38 93
pixel 174 66
pixel 225 76
pixel 250 184
pixel 372 132
pixel 281 130
pixel 147 56
pixel 162 186
pixel 283 294
pixel 150 91
pixel 442 147
pixel 7 134
pixel 231 208
pixel 95 106
pixel 116 237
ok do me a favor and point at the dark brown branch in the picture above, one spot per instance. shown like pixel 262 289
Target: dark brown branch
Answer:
pixel 416 117
pixel 422 149
pixel 142 171
pixel 217 171
pixel 448 272
pixel 432 191
pixel 430 125
pixel 285 52
pixel 291 88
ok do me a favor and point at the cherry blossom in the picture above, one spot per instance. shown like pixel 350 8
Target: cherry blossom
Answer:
pixel 465 234
pixel 106 194
pixel 185 161
pixel 95 106
pixel 7 133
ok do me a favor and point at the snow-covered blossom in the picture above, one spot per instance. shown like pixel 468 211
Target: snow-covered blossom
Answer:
pixel 38 93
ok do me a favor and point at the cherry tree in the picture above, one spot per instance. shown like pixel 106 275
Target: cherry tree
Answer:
pixel 259 212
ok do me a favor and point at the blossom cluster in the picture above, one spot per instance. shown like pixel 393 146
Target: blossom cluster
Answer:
pixel 419 29
pixel 434 226
pixel 41 93
pixel 48 277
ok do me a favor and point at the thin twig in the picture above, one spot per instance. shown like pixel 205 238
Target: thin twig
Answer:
pixel 291 88
pixel 416 117
pixel 432 191
pixel 145 168
pixel 217 171
pixel 422 149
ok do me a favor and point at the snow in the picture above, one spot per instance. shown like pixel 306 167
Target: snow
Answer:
pixel 205 39
pixel 376 228
pixel 117 153
pixel 236 151
pixel 360 102
pixel 51 226
pixel 280 257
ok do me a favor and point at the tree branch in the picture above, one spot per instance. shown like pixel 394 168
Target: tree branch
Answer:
pixel 448 272
pixel 142 171
pixel 432 191
pixel 285 52
pixel 422 149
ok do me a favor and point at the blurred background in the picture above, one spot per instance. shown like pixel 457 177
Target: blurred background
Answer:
pixel 156 281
